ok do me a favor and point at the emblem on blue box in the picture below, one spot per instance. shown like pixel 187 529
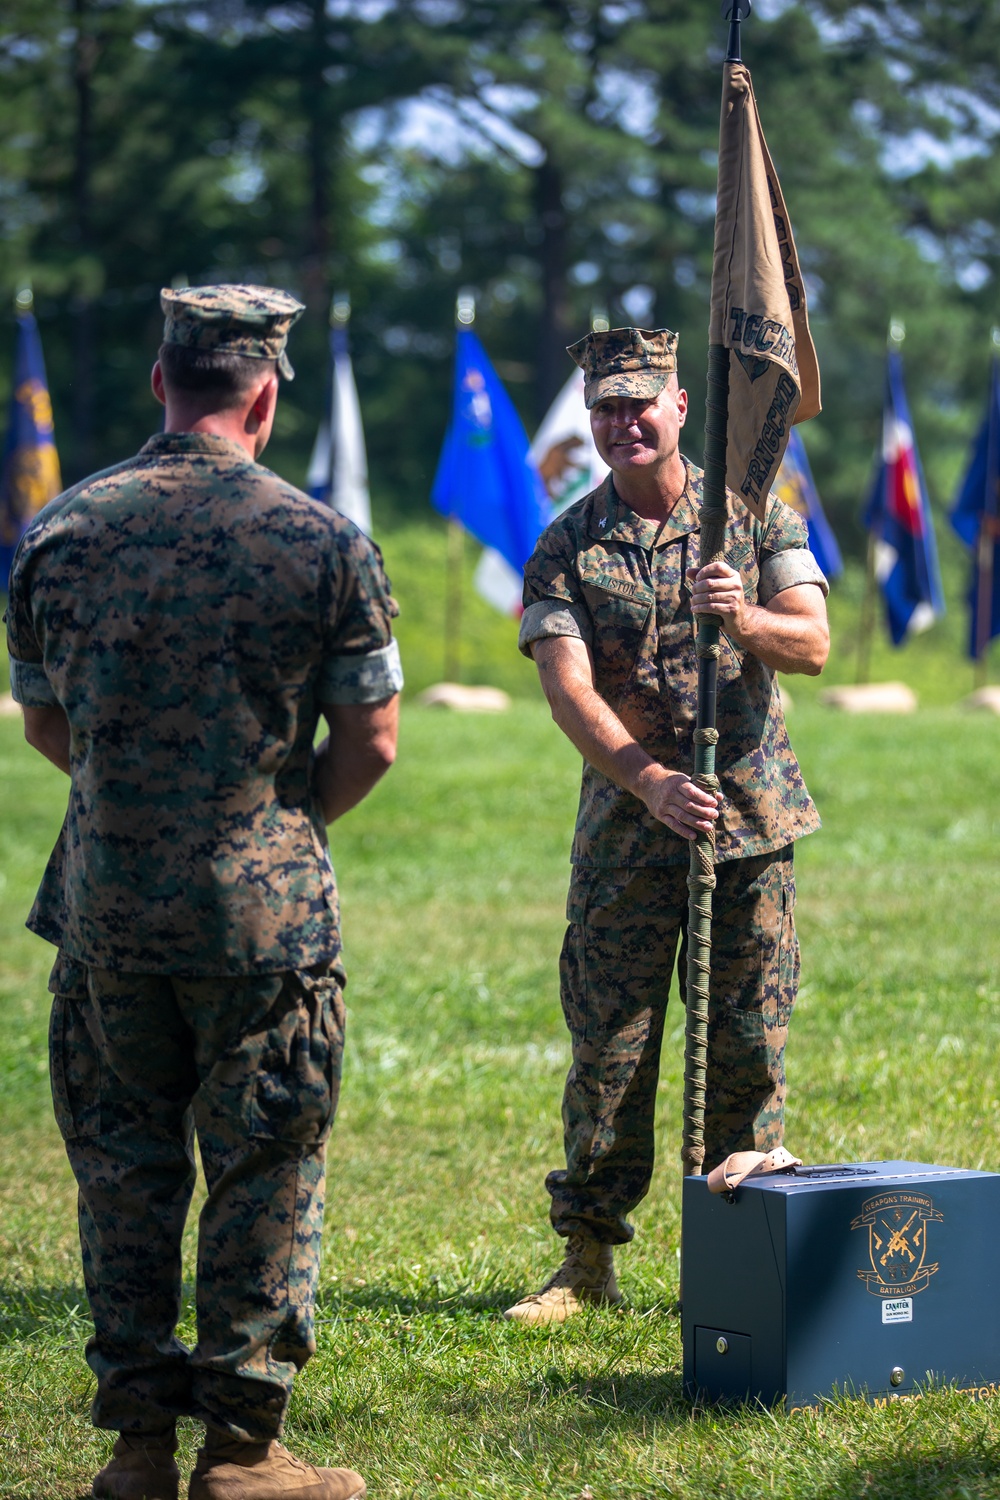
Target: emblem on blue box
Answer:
pixel 897 1243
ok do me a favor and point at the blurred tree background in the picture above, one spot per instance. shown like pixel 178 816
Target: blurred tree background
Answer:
pixel 554 157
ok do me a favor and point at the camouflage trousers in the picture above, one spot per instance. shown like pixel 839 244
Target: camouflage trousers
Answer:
pixel 615 972
pixel 140 1063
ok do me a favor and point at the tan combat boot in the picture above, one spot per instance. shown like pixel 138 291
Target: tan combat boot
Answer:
pixel 141 1467
pixel 230 1470
pixel 586 1275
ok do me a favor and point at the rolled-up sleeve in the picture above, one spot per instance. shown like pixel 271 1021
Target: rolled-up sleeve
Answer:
pixel 366 678
pixel 783 570
pixel 29 685
pixel 361 662
pixel 553 599
pixel 785 559
pixel 552 617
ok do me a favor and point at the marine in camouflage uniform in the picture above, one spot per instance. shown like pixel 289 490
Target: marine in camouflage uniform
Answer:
pixel 183 619
pixel 612 595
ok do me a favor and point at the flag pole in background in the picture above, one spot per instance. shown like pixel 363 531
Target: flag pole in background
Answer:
pixel 866 626
pixel 762 377
pixel 338 468
pixel 974 517
pixel 465 317
pixel 985 606
pixel 30 475
pixel 903 563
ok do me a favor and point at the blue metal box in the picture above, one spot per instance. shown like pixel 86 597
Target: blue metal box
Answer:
pixel 871 1279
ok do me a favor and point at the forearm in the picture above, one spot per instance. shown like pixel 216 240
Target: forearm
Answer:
pixel 783 642
pixel 598 733
pixel 355 756
pixel 789 633
pixel 47 731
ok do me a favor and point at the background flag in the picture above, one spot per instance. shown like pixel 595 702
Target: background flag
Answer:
pixel 796 486
pixel 338 469
pixel 975 518
pixel 898 516
pixel 758 301
pixel 30 475
pixel 486 478
pixel 570 466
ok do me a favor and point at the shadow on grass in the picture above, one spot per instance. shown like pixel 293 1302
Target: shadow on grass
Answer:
pixel 428 1301
pixel 944 1475
pixel 347 1302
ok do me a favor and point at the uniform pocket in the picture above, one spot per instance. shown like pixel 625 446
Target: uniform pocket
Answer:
pixel 619 607
pixel 74 1057
pixel 298 1079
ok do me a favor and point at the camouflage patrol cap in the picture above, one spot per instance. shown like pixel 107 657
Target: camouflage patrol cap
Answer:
pixel 249 320
pixel 625 362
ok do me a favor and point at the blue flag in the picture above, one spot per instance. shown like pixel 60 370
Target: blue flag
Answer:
pixel 795 485
pixel 974 517
pixel 30 474
pixel 898 516
pixel 485 478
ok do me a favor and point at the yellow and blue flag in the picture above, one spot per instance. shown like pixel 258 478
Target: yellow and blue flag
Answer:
pixel 797 487
pixel 898 516
pixel 486 478
pixel 30 474
pixel 975 516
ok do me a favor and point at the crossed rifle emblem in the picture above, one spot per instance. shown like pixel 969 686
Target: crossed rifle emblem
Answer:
pixel 899 1241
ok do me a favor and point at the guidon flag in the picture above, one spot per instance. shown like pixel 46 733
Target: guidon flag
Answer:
pixel 758 301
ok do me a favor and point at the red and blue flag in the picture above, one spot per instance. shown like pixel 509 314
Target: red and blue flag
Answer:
pixel 898 516
pixel 974 517
pixel 30 474
pixel 796 487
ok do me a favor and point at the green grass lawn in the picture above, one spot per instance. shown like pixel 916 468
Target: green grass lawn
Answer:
pixel 453 878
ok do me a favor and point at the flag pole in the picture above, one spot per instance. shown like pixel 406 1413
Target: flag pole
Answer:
pixel 701 875
pixel 866 630
pixel 465 316
pixel 987 540
pixel 867 623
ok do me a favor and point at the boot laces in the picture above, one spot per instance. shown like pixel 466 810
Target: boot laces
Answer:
pixel 575 1262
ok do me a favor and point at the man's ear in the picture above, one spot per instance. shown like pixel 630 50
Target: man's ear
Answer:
pixel 682 406
pixel 156 381
pixel 262 410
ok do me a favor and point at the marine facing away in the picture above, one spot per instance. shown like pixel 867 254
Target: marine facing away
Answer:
pixel 177 625
pixel 611 593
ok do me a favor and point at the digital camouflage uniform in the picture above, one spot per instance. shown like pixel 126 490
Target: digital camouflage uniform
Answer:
pixel 191 612
pixel 605 575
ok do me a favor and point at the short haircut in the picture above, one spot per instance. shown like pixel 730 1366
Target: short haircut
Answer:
pixel 220 378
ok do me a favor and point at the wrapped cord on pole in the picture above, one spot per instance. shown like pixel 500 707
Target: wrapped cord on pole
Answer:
pixel 701 875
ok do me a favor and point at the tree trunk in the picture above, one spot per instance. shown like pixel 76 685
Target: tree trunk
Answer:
pixel 84 321
pixel 554 330
pixel 316 269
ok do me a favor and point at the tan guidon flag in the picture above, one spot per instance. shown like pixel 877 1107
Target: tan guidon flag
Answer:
pixel 758 301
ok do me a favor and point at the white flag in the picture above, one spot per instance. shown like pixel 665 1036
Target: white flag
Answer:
pixel 563 447
pixel 570 466
pixel 338 470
